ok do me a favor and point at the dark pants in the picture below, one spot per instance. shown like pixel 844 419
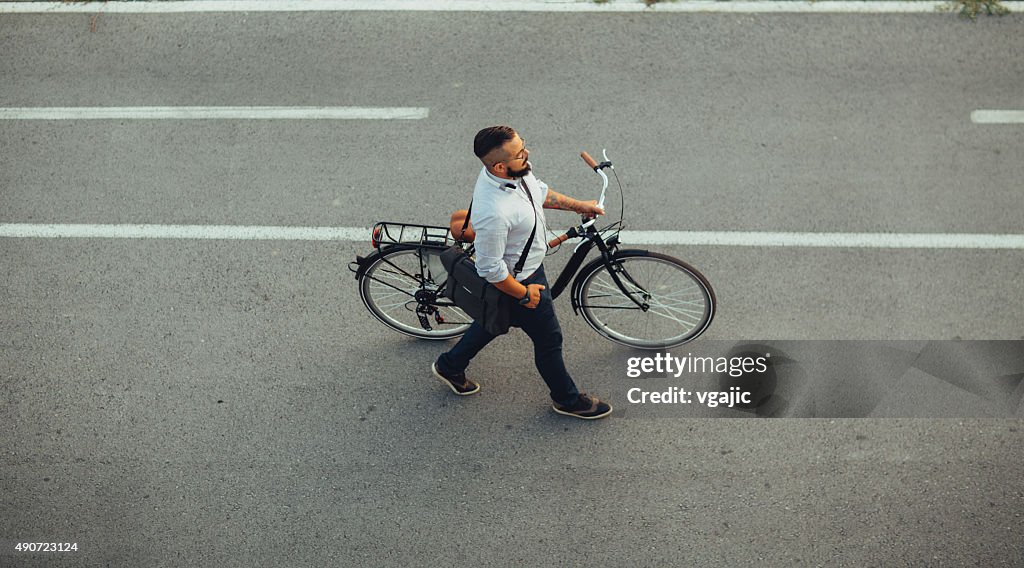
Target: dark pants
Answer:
pixel 541 325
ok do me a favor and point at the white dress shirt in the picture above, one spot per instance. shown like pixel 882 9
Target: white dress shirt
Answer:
pixel 503 219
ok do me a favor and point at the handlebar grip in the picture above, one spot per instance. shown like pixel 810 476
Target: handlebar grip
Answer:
pixel 558 240
pixel 590 161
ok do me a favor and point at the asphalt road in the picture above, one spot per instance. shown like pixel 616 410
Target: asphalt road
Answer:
pixel 232 403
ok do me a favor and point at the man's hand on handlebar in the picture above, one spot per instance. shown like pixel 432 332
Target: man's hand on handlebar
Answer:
pixel 588 209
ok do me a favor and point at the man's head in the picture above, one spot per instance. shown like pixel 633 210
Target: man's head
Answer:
pixel 502 151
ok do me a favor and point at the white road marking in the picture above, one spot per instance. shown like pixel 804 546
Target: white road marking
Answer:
pixel 827 240
pixel 225 232
pixel 213 112
pixel 998 117
pixel 695 6
pixel 629 238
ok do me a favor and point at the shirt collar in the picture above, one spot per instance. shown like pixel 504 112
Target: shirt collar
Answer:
pixel 502 183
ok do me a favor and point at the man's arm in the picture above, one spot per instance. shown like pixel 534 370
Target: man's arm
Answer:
pixel 514 288
pixel 556 200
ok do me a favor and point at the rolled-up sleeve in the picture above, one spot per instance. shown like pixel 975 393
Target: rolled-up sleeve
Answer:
pixel 491 236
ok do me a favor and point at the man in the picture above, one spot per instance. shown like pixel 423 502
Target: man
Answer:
pixel 508 202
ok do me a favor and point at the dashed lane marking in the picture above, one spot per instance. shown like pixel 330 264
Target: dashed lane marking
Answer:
pixel 214 112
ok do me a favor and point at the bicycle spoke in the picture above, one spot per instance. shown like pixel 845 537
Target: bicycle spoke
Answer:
pixel 394 305
pixel 387 296
pixel 398 277
pixel 671 307
pixel 389 285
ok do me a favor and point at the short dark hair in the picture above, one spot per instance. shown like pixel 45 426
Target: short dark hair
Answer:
pixel 490 138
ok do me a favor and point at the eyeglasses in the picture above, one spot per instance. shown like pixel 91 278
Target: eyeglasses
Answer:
pixel 522 154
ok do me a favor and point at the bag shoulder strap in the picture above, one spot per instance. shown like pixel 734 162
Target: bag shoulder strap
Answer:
pixel 469 212
pixel 529 242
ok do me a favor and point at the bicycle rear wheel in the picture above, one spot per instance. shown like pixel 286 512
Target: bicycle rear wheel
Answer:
pixel 403 287
pixel 677 302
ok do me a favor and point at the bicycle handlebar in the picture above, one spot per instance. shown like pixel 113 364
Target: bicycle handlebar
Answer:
pixel 558 240
pixel 573 232
pixel 599 169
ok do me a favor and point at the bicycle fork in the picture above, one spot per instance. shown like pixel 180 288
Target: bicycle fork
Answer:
pixel 615 270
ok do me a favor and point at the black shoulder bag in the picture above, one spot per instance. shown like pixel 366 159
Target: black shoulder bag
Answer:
pixel 480 299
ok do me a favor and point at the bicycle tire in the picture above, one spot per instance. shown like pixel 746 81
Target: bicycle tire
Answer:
pixel 390 282
pixel 682 302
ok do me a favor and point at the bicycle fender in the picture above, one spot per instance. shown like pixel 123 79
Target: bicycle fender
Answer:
pixel 577 283
pixel 362 263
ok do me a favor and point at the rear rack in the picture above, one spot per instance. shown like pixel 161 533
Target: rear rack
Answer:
pixel 390 233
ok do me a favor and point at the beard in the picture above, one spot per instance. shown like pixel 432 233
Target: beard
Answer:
pixel 520 173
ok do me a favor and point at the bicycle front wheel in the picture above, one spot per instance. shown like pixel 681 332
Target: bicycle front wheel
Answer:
pixel 403 288
pixel 674 302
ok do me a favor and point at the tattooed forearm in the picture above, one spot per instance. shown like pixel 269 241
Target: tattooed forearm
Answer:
pixel 556 200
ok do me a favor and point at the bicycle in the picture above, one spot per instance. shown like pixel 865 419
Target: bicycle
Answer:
pixel 634 297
